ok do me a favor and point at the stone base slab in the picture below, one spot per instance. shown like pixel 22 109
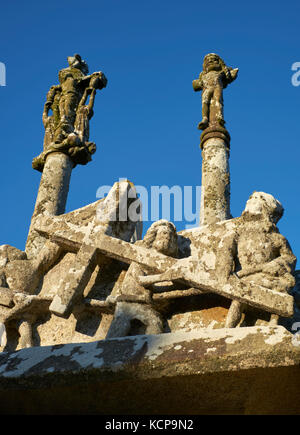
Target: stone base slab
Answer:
pixel 251 370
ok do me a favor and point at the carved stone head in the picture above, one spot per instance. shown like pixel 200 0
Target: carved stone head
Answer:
pixel 76 62
pixel 261 203
pixel 98 81
pixel 212 62
pixel 162 237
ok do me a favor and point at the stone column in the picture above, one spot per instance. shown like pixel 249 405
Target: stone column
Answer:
pixel 215 192
pixel 52 196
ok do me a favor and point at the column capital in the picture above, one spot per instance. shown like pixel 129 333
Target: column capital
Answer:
pixel 215 131
pixel 79 155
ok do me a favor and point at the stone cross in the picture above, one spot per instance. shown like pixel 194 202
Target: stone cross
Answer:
pixel 187 270
pixel 27 297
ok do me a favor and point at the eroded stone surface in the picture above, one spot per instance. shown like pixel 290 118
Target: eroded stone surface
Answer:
pixel 212 80
pixel 66 141
pixel 239 363
pixel 67 129
pixel 46 275
pixel 243 259
pixel 102 355
pixel 136 312
pixel 215 187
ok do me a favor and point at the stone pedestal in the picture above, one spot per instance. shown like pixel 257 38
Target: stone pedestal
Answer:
pixel 215 193
pixel 224 371
pixel 52 196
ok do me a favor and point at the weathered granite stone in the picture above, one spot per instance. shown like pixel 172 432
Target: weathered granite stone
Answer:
pixel 52 196
pixel 212 80
pixel 296 290
pixel 94 320
pixel 131 318
pixel 10 253
pixel 67 130
pixel 189 245
pixel 72 286
pixel 49 274
pixel 136 299
pixel 224 371
pixel 66 141
pixel 215 140
pixel 244 259
pixel 215 188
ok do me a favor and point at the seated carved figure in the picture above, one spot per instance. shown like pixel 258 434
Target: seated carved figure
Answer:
pixel 264 255
pixel 245 259
pixel 243 252
pixel 133 305
pixel 19 280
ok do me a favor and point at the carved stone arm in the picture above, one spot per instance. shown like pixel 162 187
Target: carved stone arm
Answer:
pixel 92 99
pixel 49 102
pixel 197 85
pixel 285 262
pixel 101 82
pixel 233 74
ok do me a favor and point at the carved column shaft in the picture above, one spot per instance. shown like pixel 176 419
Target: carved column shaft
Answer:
pixel 52 196
pixel 215 193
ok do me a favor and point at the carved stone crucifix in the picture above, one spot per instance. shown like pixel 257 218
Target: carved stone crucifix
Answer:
pixel 187 270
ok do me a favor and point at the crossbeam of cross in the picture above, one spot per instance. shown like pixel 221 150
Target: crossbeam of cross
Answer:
pixel 89 254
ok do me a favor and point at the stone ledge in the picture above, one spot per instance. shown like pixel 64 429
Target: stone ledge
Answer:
pixel 242 370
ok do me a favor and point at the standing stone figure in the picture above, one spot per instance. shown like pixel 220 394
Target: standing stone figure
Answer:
pixel 134 305
pixel 49 121
pixel 212 80
pixel 67 129
pixel 84 114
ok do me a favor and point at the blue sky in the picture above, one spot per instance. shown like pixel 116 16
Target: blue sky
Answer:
pixel 145 122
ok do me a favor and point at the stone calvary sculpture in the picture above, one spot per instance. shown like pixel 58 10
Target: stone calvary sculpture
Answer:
pixel 221 265
pixel 87 275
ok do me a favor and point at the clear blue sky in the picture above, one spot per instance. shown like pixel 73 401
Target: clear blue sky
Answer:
pixel 145 122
